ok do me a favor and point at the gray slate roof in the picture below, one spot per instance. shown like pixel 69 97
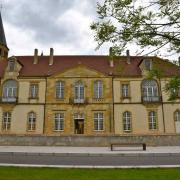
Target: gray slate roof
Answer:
pixel 2 34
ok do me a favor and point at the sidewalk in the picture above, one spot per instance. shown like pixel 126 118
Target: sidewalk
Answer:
pixel 90 151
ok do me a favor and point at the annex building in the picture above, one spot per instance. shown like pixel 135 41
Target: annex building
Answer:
pixel 88 95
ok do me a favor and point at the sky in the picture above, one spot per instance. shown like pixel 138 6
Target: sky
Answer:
pixel 61 24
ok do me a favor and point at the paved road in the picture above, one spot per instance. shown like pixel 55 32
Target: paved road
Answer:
pixel 95 160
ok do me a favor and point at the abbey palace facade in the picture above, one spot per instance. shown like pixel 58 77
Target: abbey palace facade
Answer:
pixel 87 95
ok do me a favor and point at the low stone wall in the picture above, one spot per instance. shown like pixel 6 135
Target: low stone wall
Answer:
pixel 151 140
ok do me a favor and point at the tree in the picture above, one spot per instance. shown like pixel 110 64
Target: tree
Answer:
pixel 148 24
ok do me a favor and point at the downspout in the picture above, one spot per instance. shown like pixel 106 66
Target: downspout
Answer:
pixel 45 106
pixel 113 128
pixel 162 105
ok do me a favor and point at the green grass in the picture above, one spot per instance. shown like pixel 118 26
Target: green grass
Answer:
pixel 12 173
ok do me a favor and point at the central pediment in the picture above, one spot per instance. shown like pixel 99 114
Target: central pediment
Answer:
pixel 80 71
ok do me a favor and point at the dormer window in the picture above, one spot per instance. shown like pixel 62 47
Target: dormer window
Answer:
pixel 148 64
pixel 11 64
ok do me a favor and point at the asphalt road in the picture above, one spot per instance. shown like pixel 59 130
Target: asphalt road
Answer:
pixel 90 160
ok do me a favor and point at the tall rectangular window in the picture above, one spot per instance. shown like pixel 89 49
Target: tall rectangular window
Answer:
pixel 60 90
pixel 98 90
pixel 98 121
pixel 79 92
pixel 31 121
pixel 34 88
pixel 125 90
pixel 152 120
pixel 6 123
pixel 127 121
pixel 59 122
pixel 148 64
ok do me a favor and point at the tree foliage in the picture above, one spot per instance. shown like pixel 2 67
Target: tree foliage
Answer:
pixel 151 24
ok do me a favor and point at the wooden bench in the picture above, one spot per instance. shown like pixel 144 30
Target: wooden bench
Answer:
pixel 128 144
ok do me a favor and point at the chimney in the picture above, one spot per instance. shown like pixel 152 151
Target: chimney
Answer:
pixel 35 56
pixel 51 56
pixel 128 57
pixel 111 60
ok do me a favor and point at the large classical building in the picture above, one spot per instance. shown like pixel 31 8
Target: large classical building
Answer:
pixel 90 95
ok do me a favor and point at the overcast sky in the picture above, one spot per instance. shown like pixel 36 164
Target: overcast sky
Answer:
pixel 61 24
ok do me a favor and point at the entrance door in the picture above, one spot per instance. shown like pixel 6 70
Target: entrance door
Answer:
pixel 79 126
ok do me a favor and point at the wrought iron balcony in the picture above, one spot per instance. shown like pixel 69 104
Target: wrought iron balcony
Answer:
pixel 73 100
pixel 9 99
pixel 151 99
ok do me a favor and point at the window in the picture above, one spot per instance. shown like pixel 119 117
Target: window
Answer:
pixel 150 90
pixel 98 89
pixel 6 125
pixel 98 121
pixel 152 120
pixel 34 90
pixel 10 90
pixel 79 92
pixel 60 90
pixel 148 64
pixel 127 121
pixel 177 116
pixel 11 65
pixel 125 90
pixel 59 122
pixel 31 121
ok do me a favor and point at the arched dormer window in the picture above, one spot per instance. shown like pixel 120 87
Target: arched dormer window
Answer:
pixel 150 91
pixel 10 91
pixel 79 92
pixel 98 89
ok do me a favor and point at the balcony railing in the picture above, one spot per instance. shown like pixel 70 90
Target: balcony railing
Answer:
pixel 9 99
pixel 151 99
pixel 78 101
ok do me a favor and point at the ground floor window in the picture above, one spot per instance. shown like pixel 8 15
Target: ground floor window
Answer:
pixel 127 121
pixel 59 122
pixel 6 125
pixel 177 116
pixel 98 121
pixel 152 120
pixel 31 121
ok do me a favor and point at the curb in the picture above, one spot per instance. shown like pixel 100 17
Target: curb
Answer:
pixel 89 154
pixel 88 167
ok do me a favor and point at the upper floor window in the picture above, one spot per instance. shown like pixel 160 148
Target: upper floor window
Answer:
pixel 34 88
pixel 60 90
pixel 98 121
pixel 152 120
pixel 177 115
pixel 6 123
pixel 59 122
pixel 10 90
pixel 148 64
pixel 31 121
pixel 11 65
pixel 127 121
pixel 125 90
pixel 79 92
pixel 150 90
pixel 98 89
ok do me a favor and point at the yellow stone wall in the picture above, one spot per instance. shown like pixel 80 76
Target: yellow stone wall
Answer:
pixel 88 77
pixel 140 111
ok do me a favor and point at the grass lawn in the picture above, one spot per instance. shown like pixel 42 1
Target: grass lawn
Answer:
pixel 12 173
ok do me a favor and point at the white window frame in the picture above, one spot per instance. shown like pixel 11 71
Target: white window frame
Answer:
pixel 34 88
pixel 60 87
pixel 152 115
pixel 127 121
pixel 98 89
pixel 6 121
pixel 79 92
pixel 177 116
pixel 125 90
pixel 99 121
pixel 31 121
pixel 59 122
